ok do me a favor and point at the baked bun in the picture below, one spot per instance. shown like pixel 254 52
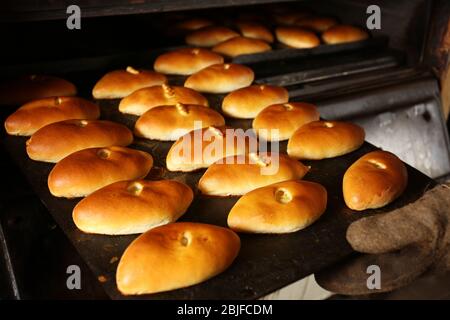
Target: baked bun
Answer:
pixel 32 87
pixel 282 207
pixel 168 123
pixel 297 37
pixel 120 83
pixel 221 78
pixel 212 144
pixel 144 99
pixel 174 256
pixel 325 139
pixel 210 36
pixel 128 207
pixel 285 117
pixel 344 33
pixel 38 113
pixel 374 180
pixel 318 24
pixel 240 45
pixel 88 170
pixel 57 140
pixel 237 175
pixel 193 24
pixel 255 31
pixel 247 102
pixel 186 61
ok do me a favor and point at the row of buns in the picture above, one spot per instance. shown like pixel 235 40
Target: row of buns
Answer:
pixel 254 37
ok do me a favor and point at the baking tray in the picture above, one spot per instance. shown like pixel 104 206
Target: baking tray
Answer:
pixel 265 263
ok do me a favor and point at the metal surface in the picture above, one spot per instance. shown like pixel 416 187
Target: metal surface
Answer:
pixel 280 54
pixel 11 11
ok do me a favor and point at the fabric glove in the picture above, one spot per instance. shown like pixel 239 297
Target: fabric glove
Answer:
pixel 403 243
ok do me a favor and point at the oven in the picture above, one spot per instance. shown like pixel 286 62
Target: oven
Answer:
pixel 395 84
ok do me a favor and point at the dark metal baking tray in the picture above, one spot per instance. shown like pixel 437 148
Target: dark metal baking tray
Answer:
pixel 265 263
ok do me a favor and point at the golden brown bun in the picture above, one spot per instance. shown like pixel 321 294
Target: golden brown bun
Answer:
pixel 186 61
pixel 285 117
pixel 144 99
pixel 38 113
pixel 255 30
pixel 128 207
pixel 176 255
pixel 212 144
pixel 297 37
pixel 88 170
pixel 319 24
pixel 282 207
pixel 221 78
pixel 325 139
pixel 57 140
pixel 247 102
pixel 344 33
pixel 168 123
pixel 240 45
pixel 28 88
pixel 193 24
pixel 210 36
pixel 374 180
pixel 237 175
pixel 120 83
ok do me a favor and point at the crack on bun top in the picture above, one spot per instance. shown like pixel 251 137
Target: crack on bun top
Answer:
pixel 104 153
pixel 132 70
pixel 283 195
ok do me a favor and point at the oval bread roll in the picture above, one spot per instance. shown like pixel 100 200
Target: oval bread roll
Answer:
pixel 325 139
pixel 297 37
pixel 193 24
pixel 286 118
pixel 32 87
pixel 57 140
pixel 144 99
pixel 120 83
pixel 168 123
pixel 221 78
pixel 237 175
pixel 318 24
pixel 38 113
pixel 282 207
pixel 240 45
pixel 128 207
pixel 210 36
pixel 88 170
pixel 374 180
pixel 174 256
pixel 255 31
pixel 247 102
pixel 343 34
pixel 186 61
pixel 202 147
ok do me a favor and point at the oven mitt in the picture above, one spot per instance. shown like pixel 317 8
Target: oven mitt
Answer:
pixel 403 243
